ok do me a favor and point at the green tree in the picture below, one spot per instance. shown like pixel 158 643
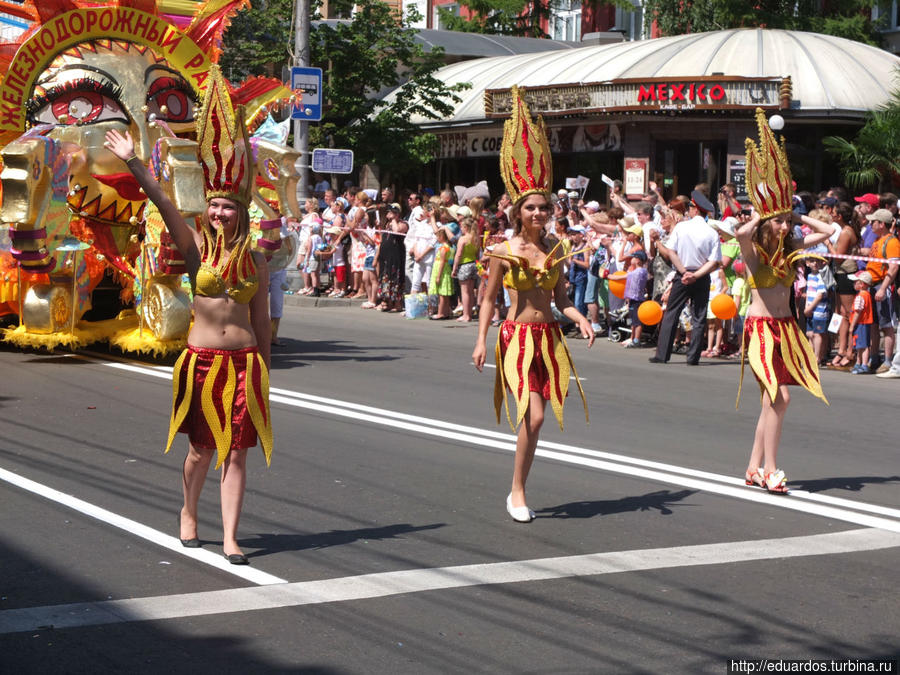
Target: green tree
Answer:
pixel 259 40
pixel 871 161
pixel 844 18
pixel 499 17
pixel 364 58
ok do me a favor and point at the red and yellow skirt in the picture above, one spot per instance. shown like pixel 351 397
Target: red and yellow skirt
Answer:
pixel 533 357
pixel 220 399
pixel 778 353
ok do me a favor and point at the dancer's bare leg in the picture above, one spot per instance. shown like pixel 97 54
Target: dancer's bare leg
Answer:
pixel 526 444
pixel 234 479
pixel 193 475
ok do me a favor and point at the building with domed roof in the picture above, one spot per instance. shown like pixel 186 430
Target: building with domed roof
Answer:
pixel 675 110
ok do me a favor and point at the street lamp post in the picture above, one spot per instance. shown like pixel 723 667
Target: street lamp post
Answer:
pixel 301 128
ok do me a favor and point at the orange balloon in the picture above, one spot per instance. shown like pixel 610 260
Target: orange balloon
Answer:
pixel 650 313
pixel 617 283
pixel 723 307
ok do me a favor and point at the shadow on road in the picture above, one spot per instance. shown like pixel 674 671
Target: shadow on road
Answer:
pixel 275 543
pixel 292 353
pixel 653 501
pixel 851 483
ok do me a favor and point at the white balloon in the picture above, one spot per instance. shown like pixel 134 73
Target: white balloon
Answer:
pixel 776 122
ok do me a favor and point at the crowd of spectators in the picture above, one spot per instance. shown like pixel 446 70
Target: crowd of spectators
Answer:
pixel 381 249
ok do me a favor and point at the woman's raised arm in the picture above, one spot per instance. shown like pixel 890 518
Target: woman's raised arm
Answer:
pixel 122 146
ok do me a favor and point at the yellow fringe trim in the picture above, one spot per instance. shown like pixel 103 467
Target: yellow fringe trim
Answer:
pixel 221 430
pixel 509 376
pixel 86 332
pixel 794 347
pixel 179 415
pixel 133 341
pixel 259 410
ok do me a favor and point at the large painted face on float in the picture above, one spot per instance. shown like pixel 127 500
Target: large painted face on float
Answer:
pixel 101 85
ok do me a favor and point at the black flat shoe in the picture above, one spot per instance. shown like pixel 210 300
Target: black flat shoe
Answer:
pixel 237 558
pixel 655 359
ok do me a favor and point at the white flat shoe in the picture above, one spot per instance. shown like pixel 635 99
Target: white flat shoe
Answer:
pixel 520 514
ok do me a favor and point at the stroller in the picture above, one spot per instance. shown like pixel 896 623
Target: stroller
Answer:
pixel 619 324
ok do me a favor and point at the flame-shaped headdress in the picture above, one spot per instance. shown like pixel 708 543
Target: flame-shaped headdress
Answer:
pixel 525 162
pixel 225 150
pixel 768 172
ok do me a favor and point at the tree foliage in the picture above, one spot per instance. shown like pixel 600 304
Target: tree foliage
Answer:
pixel 499 17
pixel 259 40
pixel 844 18
pixel 363 58
pixel 871 161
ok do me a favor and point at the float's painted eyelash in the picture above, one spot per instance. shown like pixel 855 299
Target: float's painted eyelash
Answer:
pixel 165 84
pixel 82 84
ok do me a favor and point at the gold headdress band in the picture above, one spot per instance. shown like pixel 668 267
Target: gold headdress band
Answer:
pixel 525 162
pixel 768 172
pixel 225 151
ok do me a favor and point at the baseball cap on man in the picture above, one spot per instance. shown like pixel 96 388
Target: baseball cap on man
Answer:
pixel 868 198
pixel 865 277
pixel 828 201
pixel 883 215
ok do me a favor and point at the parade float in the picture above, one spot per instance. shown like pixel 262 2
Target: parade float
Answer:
pixel 72 218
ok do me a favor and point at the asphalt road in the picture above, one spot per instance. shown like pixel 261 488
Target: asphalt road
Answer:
pixel 379 541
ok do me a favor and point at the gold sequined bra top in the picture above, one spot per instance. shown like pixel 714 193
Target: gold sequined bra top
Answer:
pixel 776 268
pixel 234 275
pixel 522 276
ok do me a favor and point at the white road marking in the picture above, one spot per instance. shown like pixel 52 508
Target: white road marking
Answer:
pixel 799 500
pixel 815 504
pixel 245 572
pixel 386 584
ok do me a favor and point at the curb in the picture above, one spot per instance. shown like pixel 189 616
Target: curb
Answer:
pixel 308 301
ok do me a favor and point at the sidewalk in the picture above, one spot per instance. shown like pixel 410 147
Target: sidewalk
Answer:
pixel 292 299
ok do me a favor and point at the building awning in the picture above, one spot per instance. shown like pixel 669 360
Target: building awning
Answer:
pixel 808 73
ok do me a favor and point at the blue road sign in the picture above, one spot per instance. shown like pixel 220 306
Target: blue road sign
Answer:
pixel 306 83
pixel 327 160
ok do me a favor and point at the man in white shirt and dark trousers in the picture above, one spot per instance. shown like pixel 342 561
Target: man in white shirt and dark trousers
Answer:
pixel 693 250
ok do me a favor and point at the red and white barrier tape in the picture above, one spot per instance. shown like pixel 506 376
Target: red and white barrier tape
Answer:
pixel 861 258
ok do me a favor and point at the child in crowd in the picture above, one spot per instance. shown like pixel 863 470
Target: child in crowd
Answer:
pixel 441 283
pixel 861 321
pixel 816 309
pixel 740 292
pixel 635 294
pixel 715 330
pixel 340 245
pixel 315 249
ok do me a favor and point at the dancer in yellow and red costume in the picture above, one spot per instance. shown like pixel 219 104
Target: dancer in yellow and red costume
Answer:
pixel 773 345
pixel 73 215
pixel 532 359
pixel 221 381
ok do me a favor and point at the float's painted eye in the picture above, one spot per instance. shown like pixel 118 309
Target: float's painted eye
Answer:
pixel 80 101
pixel 171 100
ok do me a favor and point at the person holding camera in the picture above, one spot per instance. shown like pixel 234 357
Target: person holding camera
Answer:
pixel 728 203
